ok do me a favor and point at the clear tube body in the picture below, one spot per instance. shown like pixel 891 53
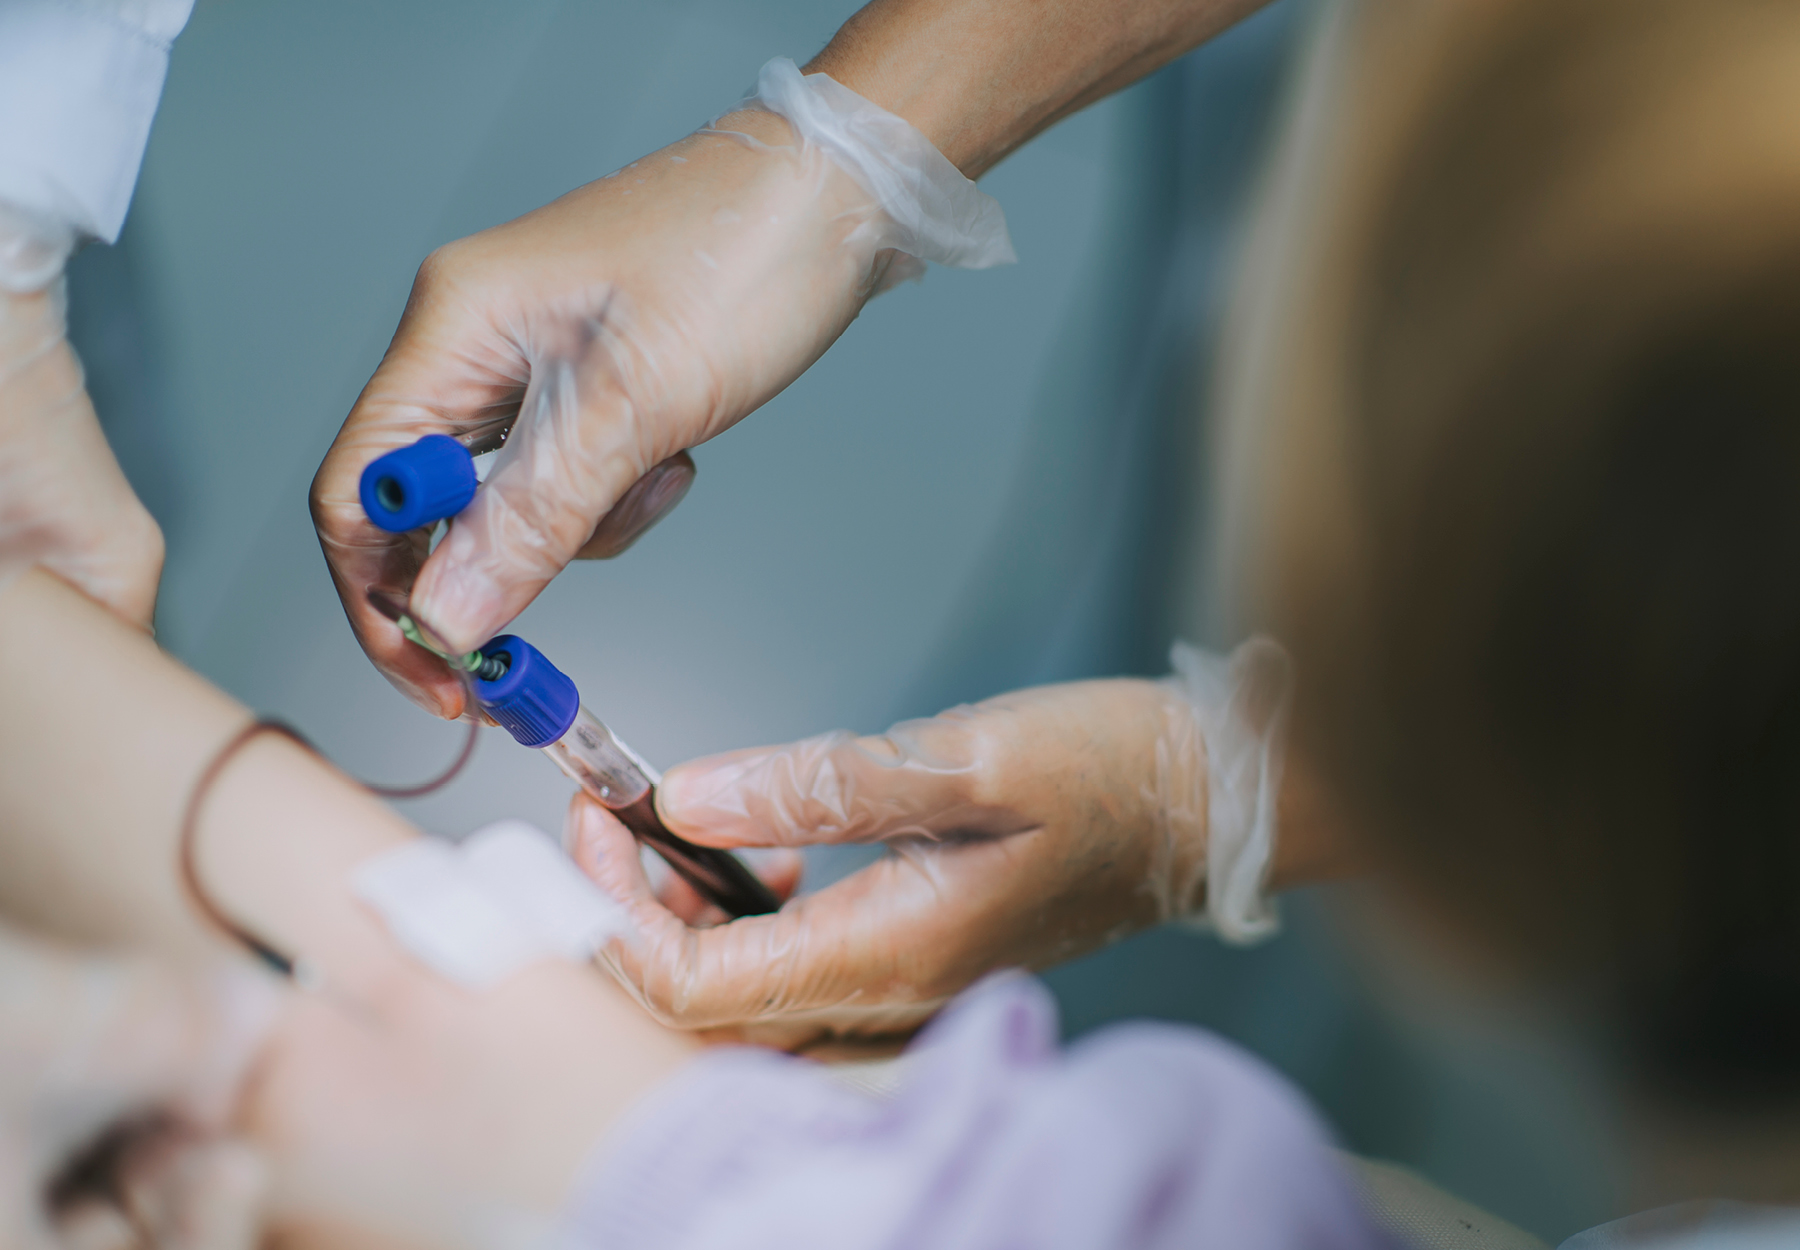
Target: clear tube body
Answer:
pixel 615 777
pixel 600 764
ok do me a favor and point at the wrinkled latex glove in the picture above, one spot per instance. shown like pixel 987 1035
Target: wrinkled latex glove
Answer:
pixel 633 318
pixel 64 503
pixel 1026 830
pixel 131 1070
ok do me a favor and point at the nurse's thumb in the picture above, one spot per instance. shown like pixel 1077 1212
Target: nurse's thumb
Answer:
pixel 572 455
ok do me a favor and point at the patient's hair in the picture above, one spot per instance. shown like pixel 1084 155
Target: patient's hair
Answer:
pixel 1561 684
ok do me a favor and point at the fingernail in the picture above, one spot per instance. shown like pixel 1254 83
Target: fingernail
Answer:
pixel 684 789
pixel 671 799
pixel 656 869
pixel 650 499
pixel 389 602
pixel 455 607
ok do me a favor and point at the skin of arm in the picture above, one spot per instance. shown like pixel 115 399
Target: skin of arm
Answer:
pixel 981 77
pixel 395 1108
pixel 1313 847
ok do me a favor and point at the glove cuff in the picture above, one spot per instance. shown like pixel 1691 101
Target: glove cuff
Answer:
pixel 937 213
pixel 1240 703
pixel 33 248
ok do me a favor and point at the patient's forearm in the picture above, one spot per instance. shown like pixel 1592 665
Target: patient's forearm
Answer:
pixel 395 1101
pixel 440 1113
pixel 103 739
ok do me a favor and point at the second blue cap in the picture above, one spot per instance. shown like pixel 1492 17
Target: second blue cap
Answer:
pixel 534 701
pixel 419 485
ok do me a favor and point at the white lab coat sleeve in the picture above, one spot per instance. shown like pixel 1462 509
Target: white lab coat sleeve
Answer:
pixel 79 85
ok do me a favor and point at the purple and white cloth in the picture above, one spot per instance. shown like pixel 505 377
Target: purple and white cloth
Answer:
pixel 1141 1137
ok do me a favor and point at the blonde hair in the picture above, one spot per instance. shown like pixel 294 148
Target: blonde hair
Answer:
pixel 1535 503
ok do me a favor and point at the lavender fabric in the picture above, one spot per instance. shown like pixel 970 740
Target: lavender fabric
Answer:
pixel 1141 1137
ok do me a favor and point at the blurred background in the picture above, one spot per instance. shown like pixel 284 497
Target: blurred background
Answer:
pixel 976 489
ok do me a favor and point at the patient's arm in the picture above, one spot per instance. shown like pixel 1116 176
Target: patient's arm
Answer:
pixel 392 1101
pixel 449 1118
pixel 102 741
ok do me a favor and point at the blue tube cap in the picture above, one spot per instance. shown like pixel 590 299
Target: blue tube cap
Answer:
pixel 419 485
pixel 534 701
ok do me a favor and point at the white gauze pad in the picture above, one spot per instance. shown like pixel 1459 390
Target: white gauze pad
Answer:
pixel 479 910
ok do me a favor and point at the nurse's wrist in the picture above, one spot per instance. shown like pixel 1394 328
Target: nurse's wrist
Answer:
pixel 1312 846
pixel 981 79
pixel 938 94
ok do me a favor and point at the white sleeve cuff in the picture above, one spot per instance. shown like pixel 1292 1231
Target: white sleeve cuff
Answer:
pixel 79 84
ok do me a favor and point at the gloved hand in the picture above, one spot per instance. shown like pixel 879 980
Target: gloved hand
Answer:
pixel 633 318
pixel 116 1077
pixel 1025 830
pixel 64 503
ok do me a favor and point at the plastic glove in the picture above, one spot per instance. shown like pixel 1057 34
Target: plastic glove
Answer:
pixel 64 503
pixel 130 1058
pixel 1026 830
pixel 631 319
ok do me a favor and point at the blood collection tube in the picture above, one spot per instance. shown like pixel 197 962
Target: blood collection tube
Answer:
pixel 533 700
pixel 540 707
